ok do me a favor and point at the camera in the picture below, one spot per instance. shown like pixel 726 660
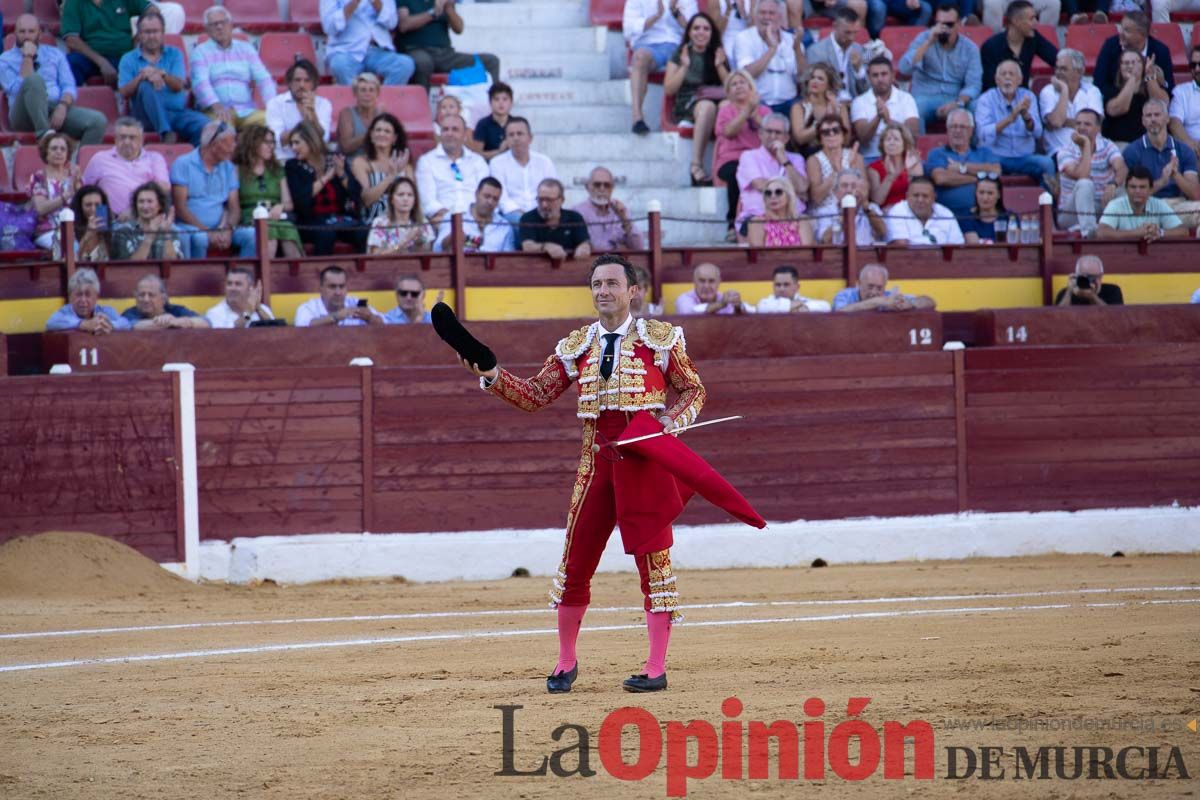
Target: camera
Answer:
pixel 1083 282
pixel 362 303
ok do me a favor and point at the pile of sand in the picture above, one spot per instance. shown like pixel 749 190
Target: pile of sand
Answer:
pixel 59 564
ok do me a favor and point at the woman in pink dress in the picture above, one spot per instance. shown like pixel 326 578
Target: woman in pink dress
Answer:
pixel 780 225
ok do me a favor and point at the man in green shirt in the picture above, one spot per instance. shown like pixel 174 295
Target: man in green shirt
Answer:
pixel 423 33
pixel 107 25
pixel 1138 214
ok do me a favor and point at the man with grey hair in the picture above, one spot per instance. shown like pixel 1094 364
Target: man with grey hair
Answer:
pixel 224 72
pixel 127 166
pixel 1086 287
pixel 770 160
pixel 872 294
pixel 771 55
pixel 84 312
pixel 204 188
pixel 955 167
pixel 870 227
pixel 559 233
pixel 706 297
pixel 1171 163
pixel 1063 98
pixel 153 311
pixel 610 226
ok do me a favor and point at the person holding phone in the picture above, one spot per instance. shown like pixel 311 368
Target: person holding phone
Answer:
pixel 334 306
pixel 946 67
pixel 1086 287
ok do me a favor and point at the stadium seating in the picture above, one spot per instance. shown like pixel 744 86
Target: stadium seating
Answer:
pixel 47 13
pixel 86 152
pixel 898 39
pixel 176 41
pixel 668 124
pixel 11 9
pixel 26 161
pixel 102 99
pixel 256 15
pixel 306 14
pixel 194 14
pixel 170 151
pixel 47 38
pixel 1171 35
pixel 5 183
pixel 607 13
pixel 1021 199
pixel 1088 39
pixel 410 104
pixel 279 51
pixel 928 142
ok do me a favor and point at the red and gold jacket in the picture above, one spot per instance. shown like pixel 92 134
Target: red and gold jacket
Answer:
pixel 653 358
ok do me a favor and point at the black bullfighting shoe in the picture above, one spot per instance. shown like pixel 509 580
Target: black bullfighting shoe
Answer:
pixel 643 683
pixel 560 682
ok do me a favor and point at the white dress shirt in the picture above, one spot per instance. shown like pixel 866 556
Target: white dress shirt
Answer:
pixel 900 105
pixel 222 316
pixel 1185 107
pixel 781 305
pixel 496 236
pixel 283 115
pixel 315 309
pixel 666 30
pixel 777 82
pixel 1088 96
pixel 519 192
pixel 449 183
pixel 941 227
pixel 354 36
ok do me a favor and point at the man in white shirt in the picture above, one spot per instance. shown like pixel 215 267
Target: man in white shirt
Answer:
pixel 1063 98
pixel 358 39
pixel 300 102
pixel 519 170
pixel 1185 106
pixel 870 226
pixel 772 55
pixel 242 304
pixel 653 30
pixel 872 110
pixel 920 221
pixel 484 230
pixel 786 298
pixel 448 174
pixel 334 306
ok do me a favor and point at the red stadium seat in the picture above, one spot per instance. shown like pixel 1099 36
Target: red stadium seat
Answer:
pixel 898 39
pixel 170 151
pixel 410 104
pixel 176 41
pixel 26 161
pixel 11 9
pixel 86 152
pixel 5 183
pixel 668 124
pixel 279 51
pixel 306 13
pixel 607 13
pixel 976 33
pixel 1088 39
pixel 102 99
pixel 256 15
pixel 1195 37
pixel 928 142
pixel 47 13
pixel 1172 36
pixel 1021 199
pixel 1037 84
pixel 194 14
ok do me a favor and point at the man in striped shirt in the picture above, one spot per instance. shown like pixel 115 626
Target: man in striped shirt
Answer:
pixel 1090 172
pixel 224 71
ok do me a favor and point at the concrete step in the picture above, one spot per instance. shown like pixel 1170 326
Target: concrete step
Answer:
pixel 564 119
pixel 612 147
pixel 516 41
pixel 640 174
pixel 537 64
pixel 568 94
pixel 558 14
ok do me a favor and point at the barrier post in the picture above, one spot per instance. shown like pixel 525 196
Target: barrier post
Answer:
pixel 368 442
pixel 654 210
pixel 66 238
pixel 264 258
pixel 1046 246
pixel 187 494
pixel 458 265
pixel 850 239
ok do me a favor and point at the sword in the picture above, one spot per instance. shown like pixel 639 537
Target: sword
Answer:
pixel 674 431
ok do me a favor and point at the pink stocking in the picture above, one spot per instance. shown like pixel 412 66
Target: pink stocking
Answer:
pixel 658 626
pixel 569 620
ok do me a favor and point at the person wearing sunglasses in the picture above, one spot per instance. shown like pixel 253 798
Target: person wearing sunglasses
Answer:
pixel 410 302
pixel 610 226
pixel 835 155
pixel 779 225
pixel 1185 106
pixel 771 160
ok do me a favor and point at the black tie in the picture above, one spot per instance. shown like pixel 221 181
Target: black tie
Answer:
pixel 610 352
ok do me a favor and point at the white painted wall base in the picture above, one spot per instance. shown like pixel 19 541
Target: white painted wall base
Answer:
pixel 495 554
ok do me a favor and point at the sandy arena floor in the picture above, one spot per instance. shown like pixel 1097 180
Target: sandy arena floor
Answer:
pixel 404 706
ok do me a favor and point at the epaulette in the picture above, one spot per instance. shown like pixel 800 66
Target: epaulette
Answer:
pixel 574 345
pixel 659 335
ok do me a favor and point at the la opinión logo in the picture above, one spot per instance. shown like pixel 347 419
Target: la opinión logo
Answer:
pixel 695 750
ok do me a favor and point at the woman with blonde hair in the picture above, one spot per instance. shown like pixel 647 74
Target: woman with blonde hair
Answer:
pixel 779 226
pixel 736 131
pixel 820 84
pixel 899 161
pixel 353 120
